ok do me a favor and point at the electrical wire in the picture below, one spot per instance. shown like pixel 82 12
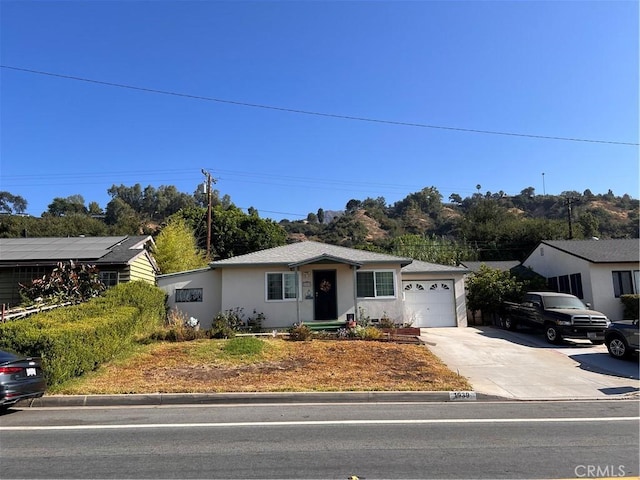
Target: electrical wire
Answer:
pixel 309 112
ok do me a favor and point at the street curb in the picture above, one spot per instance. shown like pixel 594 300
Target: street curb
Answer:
pixel 159 399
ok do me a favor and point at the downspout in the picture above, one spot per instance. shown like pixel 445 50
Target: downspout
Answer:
pixel 297 272
pixel 355 292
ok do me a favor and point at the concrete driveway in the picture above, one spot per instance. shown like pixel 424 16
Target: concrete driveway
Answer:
pixel 522 365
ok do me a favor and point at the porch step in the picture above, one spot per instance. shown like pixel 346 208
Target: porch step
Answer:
pixel 328 325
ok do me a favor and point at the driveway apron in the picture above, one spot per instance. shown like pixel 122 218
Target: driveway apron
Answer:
pixel 522 366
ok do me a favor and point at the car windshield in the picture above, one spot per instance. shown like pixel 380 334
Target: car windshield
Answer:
pixel 564 302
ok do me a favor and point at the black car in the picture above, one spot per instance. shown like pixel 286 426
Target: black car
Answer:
pixel 20 378
pixel 622 338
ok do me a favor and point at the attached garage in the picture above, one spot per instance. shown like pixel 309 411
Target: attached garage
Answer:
pixel 434 295
pixel 430 303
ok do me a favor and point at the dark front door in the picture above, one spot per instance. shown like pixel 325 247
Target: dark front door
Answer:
pixel 325 301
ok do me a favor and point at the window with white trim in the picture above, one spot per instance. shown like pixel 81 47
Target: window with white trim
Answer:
pixel 376 284
pixel 281 286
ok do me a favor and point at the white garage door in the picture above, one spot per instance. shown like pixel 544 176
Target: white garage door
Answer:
pixel 430 303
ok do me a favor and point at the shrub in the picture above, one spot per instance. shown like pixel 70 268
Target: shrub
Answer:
pixel 76 339
pixel 299 332
pixel 368 333
pixel 631 306
pixel 178 328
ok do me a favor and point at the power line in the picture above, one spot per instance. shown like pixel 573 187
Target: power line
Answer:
pixel 309 112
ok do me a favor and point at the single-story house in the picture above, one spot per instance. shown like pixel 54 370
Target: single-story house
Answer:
pixel 316 282
pixel 597 271
pixel 118 258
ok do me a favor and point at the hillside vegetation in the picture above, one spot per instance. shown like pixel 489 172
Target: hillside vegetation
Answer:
pixel 483 226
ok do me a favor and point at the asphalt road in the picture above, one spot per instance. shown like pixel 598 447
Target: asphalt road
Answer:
pixel 325 441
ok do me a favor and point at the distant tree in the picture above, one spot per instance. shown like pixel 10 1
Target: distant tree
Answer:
pixel 353 205
pixel 235 233
pixel 528 192
pixel 122 217
pixel 132 196
pixel 589 224
pixel 320 215
pixel 312 218
pixel 176 248
pixel 455 198
pixel 253 212
pixel 10 203
pixel 73 204
pixel 95 209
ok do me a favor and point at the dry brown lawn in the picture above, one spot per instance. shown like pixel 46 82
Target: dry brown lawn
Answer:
pixel 282 366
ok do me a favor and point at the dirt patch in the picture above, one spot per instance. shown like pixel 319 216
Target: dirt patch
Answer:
pixel 319 365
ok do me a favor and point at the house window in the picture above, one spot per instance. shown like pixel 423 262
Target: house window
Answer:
pixel 563 284
pixel 375 284
pixel 567 284
pixel 281 286
pixel 188 295
pixel 109 278
pixel 575 280
pixel 623 282
pixel 25 275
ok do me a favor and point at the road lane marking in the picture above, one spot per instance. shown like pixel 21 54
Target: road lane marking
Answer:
pixel 319 423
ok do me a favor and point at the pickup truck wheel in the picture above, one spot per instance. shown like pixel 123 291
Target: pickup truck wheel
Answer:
pixel 617 347
pixel 552 335
pixel 508 323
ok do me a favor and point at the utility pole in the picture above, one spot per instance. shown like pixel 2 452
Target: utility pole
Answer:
pixel 208 191
pixel 570 201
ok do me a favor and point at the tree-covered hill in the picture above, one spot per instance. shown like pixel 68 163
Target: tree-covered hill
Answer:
pixel 483 226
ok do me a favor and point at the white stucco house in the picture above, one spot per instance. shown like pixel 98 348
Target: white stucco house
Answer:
pixel 316 282
pixel 597 271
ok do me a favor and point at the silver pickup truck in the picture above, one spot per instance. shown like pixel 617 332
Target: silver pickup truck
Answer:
pixel 559 315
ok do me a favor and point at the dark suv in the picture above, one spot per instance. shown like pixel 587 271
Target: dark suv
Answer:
pixel 622 338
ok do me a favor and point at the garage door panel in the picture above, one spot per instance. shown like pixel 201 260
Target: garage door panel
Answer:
pixel 430 303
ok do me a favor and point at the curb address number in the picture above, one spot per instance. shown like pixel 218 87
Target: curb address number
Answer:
pixel 462 396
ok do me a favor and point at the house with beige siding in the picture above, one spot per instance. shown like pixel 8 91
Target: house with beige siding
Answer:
pixel 313 282
pixel 596 271
pixel 119 259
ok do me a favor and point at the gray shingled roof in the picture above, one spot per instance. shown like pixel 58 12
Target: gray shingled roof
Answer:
pixel 624 250
pixel 502 265
pixel 120 249
pixel 302 253
pixel 418 266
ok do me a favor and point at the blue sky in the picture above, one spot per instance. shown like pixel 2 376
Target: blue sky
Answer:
pixel 549 68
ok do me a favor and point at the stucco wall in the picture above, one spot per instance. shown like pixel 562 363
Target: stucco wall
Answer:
pixel 245 287
pixel 208 280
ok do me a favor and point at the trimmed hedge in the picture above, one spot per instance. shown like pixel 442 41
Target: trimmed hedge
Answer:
pixel 77 339
pixel 631 305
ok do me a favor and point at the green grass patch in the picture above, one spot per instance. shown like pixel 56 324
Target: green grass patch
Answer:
pixel 243 347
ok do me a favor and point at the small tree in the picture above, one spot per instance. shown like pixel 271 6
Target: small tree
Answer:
pixel 176 248
pixel 488 288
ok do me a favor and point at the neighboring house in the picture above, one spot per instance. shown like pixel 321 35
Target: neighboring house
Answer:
pixel 118 258
pixel 597 271
pixel 316 282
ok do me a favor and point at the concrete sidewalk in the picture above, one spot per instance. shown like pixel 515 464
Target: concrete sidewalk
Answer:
pixel 521 366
